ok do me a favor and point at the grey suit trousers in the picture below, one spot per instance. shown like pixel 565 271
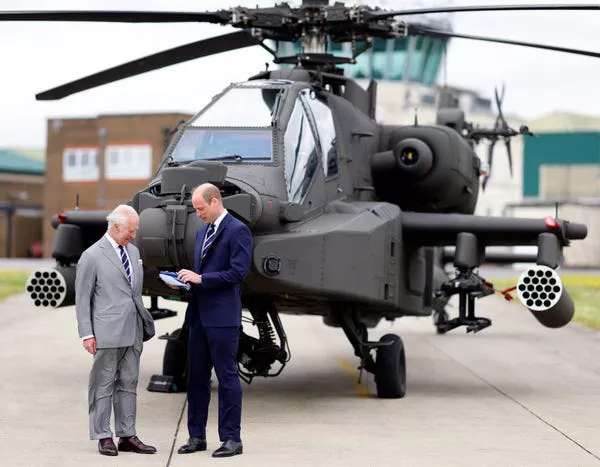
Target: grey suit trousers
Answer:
pixel 113 384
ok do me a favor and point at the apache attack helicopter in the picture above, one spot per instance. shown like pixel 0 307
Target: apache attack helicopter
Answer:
pixel 350 217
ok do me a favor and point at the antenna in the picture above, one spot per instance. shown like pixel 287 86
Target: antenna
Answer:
pixel 76 201
pixel 556 210
pixel 416 119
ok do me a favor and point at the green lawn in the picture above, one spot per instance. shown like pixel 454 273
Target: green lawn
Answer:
pixel 12 282
pixel 584 290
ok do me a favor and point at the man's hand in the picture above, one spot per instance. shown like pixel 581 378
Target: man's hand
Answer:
pixel 185 275
pixel 90 345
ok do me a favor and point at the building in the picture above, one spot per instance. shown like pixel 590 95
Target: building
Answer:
pixel 561 175
pixel 21 195
pixel 100 162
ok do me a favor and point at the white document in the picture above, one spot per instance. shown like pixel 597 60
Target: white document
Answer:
pixel 170 278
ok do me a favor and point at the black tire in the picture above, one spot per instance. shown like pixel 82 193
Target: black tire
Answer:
pixel 175 360
pixel 440 318
pixel 390 368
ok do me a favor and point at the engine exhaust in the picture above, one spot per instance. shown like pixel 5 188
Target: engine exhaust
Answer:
pixel 541 290
pixel 52 287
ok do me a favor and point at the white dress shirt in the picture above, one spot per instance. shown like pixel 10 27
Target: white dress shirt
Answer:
pixel 115 246
pixel 219 219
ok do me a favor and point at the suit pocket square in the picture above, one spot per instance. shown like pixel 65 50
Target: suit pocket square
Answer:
pixel 140 262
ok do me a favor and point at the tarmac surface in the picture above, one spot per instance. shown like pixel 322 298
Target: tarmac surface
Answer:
pixel 514 394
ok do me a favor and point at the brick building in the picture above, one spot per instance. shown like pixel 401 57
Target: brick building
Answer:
pixel 21 193
pixel 102 160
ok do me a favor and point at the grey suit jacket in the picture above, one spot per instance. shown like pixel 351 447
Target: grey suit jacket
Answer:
pixel 107 305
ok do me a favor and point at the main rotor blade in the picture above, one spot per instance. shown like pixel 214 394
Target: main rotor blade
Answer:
pixel 370 16
pixel 423 31
pixel 184 53
pixel 221 16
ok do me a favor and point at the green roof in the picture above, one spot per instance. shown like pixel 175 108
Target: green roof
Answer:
pixel 12 161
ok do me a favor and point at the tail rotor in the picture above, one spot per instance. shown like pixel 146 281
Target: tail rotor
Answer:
pixel 501 130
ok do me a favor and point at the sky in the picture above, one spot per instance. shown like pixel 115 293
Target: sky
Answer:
pixel 37 56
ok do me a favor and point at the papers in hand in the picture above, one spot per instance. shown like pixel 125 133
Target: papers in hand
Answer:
pixel 170 278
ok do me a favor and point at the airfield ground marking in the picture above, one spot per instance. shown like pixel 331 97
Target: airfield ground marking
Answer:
pixel 176 432
pixel 362 389
pixel 509 397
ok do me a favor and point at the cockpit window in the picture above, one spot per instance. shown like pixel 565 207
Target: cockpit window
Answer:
pixel 301 158
pixel 225 145
pixel 241 107
pixel 326 129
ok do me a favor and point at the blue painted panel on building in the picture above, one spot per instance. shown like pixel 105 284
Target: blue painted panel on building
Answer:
pixel 557 149
pixel 15 162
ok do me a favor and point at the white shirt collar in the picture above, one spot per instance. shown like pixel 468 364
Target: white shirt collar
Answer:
pixel 114 244
pixel 218 220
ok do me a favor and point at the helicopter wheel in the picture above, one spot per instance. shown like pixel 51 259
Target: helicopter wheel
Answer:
pixel 440 318
pixel 175 360
pixel 390 368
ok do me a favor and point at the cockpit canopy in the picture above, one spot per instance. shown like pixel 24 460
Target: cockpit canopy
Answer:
pixel 235 127
pixel 239 127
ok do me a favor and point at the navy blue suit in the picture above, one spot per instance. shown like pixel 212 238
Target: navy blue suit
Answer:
pixel 214 315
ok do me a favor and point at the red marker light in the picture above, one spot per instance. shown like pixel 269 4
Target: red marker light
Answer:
pixel 551 222
pixel 61 218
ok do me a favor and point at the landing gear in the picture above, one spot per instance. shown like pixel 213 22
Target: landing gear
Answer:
pixel 440 318
pixel 174 374
pixel 389 367
pixel 159 313
pixel 175 358
pixel 256 356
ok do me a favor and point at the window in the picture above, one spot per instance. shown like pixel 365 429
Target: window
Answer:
pixel 417 59
pixel 80 164
pixel 433 61
pixel 241 107
pixel 128 161
pixel 227 145
pixel 428 99
pixel 326 130
pixel 301 157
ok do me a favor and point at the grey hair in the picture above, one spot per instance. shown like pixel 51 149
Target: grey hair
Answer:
pixel 121 215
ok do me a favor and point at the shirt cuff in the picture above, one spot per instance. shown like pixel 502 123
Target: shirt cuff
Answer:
pixel 87 337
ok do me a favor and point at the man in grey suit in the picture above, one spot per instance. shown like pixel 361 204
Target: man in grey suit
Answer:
pixel 113 324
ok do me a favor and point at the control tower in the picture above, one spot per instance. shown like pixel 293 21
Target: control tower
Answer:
pixel 413 62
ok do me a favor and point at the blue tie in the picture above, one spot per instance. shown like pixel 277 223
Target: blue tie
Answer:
pixel 125 262
pixel 210 236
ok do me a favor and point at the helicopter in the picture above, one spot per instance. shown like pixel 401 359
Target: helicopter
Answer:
pixel 351 218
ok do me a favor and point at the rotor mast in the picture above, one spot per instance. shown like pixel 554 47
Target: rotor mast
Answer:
pixel 314 39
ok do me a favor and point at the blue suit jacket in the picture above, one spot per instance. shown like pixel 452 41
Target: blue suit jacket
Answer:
pixel 217 302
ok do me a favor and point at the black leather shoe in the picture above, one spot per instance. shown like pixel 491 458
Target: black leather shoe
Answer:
pixel 193 445
pixel 106 447
pixel 229 448
pixel 133 444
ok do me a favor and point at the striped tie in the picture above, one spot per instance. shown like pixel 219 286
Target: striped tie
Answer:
pixel 210 236
pixel 125 262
